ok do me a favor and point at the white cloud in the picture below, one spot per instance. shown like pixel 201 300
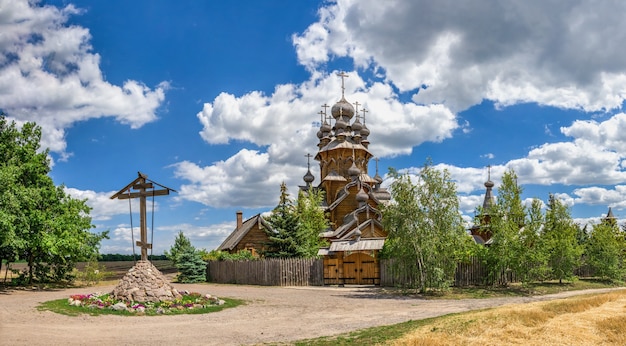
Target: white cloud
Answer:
pixel 562 54
pixel 103 207
pixel 49 74
pixel 281 126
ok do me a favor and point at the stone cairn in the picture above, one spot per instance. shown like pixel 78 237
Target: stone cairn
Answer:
pixel 144 283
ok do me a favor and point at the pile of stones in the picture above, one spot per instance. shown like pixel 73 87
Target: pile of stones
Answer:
pixel 144 283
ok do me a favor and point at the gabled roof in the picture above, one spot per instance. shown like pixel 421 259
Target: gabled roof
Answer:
pixel 238 233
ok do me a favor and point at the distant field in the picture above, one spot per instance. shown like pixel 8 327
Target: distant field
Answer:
pixel 117 268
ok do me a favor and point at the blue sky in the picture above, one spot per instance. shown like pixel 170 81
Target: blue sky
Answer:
pixel 219 100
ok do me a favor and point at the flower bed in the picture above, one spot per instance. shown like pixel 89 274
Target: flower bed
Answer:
pixel 189 301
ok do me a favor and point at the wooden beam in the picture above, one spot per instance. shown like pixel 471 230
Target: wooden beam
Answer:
pixel 144 194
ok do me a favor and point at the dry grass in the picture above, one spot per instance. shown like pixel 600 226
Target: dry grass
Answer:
pixel 585 320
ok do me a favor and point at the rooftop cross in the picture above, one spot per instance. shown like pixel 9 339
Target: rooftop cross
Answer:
pixel 322 117
pixel 356 108
pixel 376 159
pixel 489 172
pixel 364 111
pixel 343 76
pixel 308 160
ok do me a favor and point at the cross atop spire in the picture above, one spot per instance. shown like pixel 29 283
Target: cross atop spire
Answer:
pixel 488 172
pixel 308 160
pixel 376 159
pixel 364 111
pixel 322 117
pixel 343 76
pixel 356 108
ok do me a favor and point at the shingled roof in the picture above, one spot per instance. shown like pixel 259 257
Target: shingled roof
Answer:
pixel 235 237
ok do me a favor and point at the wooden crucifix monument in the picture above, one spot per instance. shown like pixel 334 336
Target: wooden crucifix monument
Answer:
pixel 143 188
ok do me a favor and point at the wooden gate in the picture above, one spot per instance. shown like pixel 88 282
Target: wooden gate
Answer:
pixel 331 271
pixel 360 269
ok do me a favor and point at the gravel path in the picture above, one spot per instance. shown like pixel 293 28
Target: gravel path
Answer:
pixel 272 314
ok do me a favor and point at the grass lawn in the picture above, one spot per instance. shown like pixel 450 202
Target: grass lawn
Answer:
pixel 598 319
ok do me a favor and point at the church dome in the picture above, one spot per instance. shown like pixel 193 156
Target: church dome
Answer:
pixel 325 127
pixel 489 183
pixel 343 109
pixel 354 171
pixel 365 131
pixel 357 126
pixel 308 177
pixel 362 196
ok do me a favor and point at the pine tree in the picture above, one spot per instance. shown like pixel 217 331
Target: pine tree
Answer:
pixel 181 244
pixel 283 242
pixel 190 265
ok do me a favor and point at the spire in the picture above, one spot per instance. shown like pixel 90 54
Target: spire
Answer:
pixel 488 202
pixel 308 177
pixel 377 177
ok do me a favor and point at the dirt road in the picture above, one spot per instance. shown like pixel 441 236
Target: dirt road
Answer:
pixel 272 314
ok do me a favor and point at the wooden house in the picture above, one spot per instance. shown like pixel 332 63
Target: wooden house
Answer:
pixel 247 235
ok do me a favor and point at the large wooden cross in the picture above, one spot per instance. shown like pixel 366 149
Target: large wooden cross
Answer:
pixel 144 188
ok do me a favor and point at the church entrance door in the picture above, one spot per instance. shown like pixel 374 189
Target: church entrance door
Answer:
pixel 360 269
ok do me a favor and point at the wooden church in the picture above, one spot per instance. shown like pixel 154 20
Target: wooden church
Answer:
pixel 356 234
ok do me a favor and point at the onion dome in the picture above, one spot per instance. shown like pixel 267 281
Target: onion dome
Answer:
pixel 378 178
pixel 325 128
pixel 357 126
pixel 362 196
pixel 489 184
pixel 320 134
pixel 343 109
pixel 365 132
pixel 354 171
pixel 341 125
pixel 308 177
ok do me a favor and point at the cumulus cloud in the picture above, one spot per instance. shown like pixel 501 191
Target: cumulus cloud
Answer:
pixel 283 126
pixel 104 208
pixel 49 74
pixel 551 53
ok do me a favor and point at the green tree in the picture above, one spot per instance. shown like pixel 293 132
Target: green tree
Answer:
pixel 506 221
pixel 39 222
pixel 283 241
pixel 426 230
pixel 532 261
pixel 560 238
pixel 311 222
pixel 191 267
pixel 605 251
pixel 181 244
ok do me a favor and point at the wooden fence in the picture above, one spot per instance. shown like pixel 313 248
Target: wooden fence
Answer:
pixel 268 272
pixel 474 273
pixel 310 272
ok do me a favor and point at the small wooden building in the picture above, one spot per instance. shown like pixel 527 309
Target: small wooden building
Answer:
pixel 247 235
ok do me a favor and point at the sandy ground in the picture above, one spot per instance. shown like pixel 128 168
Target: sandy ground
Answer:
pixel 272 314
